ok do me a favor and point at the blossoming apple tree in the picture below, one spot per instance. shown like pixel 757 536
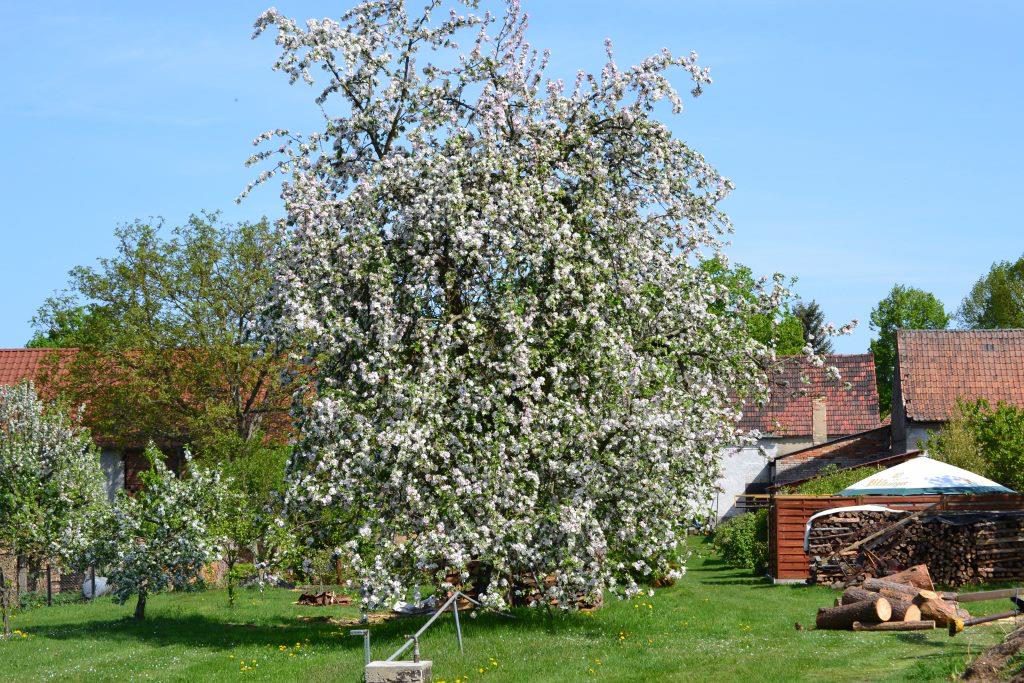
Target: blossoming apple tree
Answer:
pixel 51 483
pixel 161 536
pixel 494 275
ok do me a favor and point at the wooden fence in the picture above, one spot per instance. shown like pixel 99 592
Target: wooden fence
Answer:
pixel 788 515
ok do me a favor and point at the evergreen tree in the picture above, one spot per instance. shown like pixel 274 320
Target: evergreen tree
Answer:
pixel 813 320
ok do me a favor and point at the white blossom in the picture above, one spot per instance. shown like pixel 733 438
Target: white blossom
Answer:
pixel 495 279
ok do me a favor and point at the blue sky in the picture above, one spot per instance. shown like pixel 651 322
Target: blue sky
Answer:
pixel 871 143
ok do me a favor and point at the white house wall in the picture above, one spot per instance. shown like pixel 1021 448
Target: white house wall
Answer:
pixel 741 467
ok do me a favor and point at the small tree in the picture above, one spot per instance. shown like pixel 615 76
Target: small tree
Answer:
pixel 254 479
pixel 162 536
pixel 51 483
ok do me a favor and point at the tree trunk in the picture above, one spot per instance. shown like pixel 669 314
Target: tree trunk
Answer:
pixel 140 606
pixel 49 585
pixel 886 587
pixel 918 575
pixel 842 617
pixel 5 606
pixel 852 595
pixel 898 591
pixel 895 626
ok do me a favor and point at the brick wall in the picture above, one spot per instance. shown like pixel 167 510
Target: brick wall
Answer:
pixel 848 451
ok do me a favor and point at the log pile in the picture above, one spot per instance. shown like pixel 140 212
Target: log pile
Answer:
pixel 902 601
pixel 323 599
pixel 958 549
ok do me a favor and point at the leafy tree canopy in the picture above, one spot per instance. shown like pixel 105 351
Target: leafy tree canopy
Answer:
pixel 984 439
pixel 166 324
pixel 996 301
pixel 779 329
pixel 904 308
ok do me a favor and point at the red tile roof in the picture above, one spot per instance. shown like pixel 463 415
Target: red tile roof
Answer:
pixel 939 366
pixel 851 403
pixel 21 364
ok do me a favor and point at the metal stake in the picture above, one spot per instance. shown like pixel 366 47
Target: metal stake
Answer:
pixel 458 628
pixel 365 633
pixel 415 647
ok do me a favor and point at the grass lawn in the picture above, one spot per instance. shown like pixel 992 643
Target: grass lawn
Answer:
pixel 715 625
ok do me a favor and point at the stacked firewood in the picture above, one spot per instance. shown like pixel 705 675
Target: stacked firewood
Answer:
pixel 323 599
pixel 904 601
pixel 982 548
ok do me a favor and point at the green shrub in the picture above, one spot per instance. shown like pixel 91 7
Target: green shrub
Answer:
pixel 33 599
pixel 985 440
pixel 742 541
pixel 831 480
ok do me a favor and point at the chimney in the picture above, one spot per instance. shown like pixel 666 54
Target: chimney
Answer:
pixel 819 420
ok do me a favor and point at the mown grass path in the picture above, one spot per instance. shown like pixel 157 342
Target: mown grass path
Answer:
pixel 715 625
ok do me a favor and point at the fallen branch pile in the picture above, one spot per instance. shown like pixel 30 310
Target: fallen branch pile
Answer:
pixel 958 548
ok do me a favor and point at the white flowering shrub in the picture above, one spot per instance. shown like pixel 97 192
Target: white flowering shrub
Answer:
pixel 495 278
pixel 161 536
pixel 51 482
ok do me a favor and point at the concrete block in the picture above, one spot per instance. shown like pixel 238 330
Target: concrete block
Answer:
pixel 398 672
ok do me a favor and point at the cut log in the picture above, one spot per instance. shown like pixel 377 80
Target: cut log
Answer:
pixel 842 617
pixel 940 611
pixel 904 610
pixel 854 594
pixel 895 626
pixel 917 575
pixel 900 591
